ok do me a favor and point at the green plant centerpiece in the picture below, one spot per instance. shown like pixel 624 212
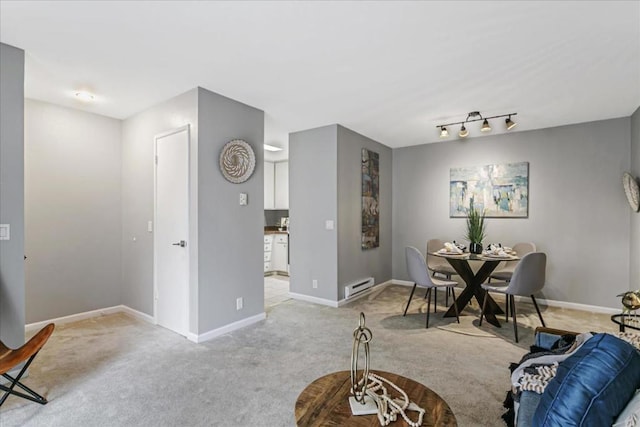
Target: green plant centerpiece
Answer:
pixel 476 229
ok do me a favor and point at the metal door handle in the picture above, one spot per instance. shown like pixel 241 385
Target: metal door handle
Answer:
pixel 181 243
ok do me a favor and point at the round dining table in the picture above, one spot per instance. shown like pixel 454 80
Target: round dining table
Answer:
pixel 460 263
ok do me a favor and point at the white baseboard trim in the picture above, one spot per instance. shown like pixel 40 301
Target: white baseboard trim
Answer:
pixel 314 300
pixel 36 326
pixel 226 329
pixel 402 282
pixel 547 302
pixel 137 314
pixel 571 305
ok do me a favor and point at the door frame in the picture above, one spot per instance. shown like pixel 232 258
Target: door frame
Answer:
pixel 190 242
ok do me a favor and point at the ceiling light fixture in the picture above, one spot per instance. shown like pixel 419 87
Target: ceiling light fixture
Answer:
pixel 85 96
pixel 272 148
pixel 475 116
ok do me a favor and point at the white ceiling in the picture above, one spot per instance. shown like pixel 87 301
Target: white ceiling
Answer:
pixel 389 70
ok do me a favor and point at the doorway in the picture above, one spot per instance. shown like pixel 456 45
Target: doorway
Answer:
pixel 171 219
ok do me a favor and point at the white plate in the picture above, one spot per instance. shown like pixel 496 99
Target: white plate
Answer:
pixel 499 256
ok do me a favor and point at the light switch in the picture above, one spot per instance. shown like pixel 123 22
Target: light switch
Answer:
pixel 328 224
pixel 244 199
pixel 5 232
pixel 150 226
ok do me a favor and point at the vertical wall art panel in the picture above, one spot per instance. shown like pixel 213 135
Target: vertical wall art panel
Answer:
pixel 497 190
pixel 370 192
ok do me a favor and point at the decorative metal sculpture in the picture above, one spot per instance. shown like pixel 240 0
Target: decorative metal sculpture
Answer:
pixel 370 393
pixel 361 335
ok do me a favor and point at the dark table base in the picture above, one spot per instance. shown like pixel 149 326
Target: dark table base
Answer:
pixel 473 288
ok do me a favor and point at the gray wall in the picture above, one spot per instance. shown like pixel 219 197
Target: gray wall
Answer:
pixel 72 211
pixel 353 262
pixel 313 176
pixel 634 253
pixel 138 134
pixel 12 306
pixel 230 236
pixel 578 214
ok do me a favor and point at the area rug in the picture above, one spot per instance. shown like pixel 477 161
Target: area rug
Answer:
pixel 468 326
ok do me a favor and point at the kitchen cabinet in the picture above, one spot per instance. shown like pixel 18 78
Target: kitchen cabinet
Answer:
pixel 268 246
pixel 280 253
pixel 281 185
pixel 269 185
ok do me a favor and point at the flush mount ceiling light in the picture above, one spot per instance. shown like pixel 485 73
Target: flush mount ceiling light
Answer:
pixel 85 96
pixel 272 148
pixel 475 116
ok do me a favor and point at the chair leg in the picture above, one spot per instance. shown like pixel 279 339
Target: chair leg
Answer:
pixel 538 310
pixel 408 302
pixel 513 312
pixel 455 306
pixel 484 304
pixel 428 305
pixel 35 397
pixel 435 299
pixel 506 308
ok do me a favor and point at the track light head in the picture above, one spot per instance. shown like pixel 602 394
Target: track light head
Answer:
pixel 485 126
pixel 443 132
pixel 463 132
pixel 510 123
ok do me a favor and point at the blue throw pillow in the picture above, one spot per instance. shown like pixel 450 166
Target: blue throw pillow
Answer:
pixel 592 386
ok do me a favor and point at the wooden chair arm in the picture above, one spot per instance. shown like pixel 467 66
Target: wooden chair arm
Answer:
pixel 9 358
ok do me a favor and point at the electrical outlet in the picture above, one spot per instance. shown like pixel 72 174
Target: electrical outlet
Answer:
pixel 314 283
pixel 239 303
pixel 244 199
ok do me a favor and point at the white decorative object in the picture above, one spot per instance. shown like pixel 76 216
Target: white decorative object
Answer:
pixel 631 190
pixel 237 161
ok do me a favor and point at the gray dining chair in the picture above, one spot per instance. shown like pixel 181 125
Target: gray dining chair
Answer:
pixel 438 265
pixel 419 274
pixel 528 279
pixel 504 274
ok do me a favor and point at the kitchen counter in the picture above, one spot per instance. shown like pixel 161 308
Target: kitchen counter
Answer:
pixel 274 230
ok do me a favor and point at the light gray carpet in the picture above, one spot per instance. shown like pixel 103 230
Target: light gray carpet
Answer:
pixel 119 371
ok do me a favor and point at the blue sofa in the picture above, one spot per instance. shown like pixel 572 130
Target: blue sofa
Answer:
pixel 596 382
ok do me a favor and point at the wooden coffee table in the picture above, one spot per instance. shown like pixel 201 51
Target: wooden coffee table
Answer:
pixel 325 402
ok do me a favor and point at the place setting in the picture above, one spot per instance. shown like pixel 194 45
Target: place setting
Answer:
pixel 453 250
pixel 499 252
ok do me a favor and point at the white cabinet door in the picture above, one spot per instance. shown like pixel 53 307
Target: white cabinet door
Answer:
pixel 282 185
pixel 279 254
pixel 269 185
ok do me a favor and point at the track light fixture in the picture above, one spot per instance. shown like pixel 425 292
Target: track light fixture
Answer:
pixel 475 116
pixel 463 132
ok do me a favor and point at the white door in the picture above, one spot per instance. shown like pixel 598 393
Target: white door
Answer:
pixel 171 247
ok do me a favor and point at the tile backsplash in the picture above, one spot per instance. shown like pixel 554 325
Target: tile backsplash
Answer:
pixel 272 217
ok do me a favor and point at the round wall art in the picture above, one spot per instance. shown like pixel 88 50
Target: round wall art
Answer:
pixel 237 161
pixel 631 190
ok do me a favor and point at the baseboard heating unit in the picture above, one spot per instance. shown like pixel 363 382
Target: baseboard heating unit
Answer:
pixel 357 287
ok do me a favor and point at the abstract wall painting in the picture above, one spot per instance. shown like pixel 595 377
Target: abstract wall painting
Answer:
pixel 370 192
pixel 501 191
